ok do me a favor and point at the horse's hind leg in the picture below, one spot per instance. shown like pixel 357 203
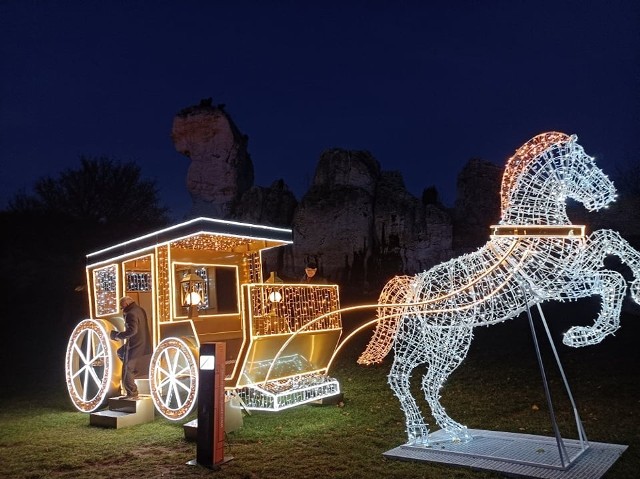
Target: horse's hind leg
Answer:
pixel 451 349
pixel 409 353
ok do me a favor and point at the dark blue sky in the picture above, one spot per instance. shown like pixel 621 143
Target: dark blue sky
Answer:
pixel 424 86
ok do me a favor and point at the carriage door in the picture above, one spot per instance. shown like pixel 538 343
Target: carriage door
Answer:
pixel 138 279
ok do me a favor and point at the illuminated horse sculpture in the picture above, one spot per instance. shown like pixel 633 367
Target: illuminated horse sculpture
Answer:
pixel 534 255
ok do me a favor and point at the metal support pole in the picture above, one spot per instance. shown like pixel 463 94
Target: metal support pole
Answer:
pixel 565 458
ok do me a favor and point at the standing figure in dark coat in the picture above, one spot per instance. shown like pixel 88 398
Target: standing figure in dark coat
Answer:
pixel 310 275
pixel 135 354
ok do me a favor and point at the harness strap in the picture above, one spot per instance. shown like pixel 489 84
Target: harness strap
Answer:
pixel 538 231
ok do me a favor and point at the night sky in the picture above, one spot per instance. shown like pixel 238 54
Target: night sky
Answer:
pixel 424 86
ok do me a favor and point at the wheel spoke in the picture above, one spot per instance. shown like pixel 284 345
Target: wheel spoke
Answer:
pixel 85 381
pixel 162 372
pixel 94 376
pixel 96 358
pixel 184 372
pixel 174 366
pixel 179 400
pixel 164 382
pixel 89 346
pixel 79 372
pixel 79 351
pixel 167 402
pixel 167 360
pixel 183 386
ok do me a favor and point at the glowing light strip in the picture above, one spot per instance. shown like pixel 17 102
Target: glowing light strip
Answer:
pixel 170 242
pixel 538 231
pixel 196 220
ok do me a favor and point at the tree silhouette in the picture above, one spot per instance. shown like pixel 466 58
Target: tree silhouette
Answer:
pixel 100 191
pixel 48 233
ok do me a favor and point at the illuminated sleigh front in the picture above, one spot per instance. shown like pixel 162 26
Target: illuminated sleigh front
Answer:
pixel 202 281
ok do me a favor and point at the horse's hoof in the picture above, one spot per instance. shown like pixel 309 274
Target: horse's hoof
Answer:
pixel 578 336
pixel 575 337
pixel 460 436
pixel 463 437
pixel 420 441
pixel 418 437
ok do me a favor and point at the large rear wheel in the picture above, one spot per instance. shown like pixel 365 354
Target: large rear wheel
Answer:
pixel 92 369
pixel 173 377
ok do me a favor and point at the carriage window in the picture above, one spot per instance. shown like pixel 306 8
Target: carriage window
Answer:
pixel 215 288
pixel 104 281
pixel 138 281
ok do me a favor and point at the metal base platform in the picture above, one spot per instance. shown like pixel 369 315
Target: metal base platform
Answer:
pixel 515 455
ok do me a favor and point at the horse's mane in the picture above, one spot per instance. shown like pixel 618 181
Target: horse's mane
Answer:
pixel 523 157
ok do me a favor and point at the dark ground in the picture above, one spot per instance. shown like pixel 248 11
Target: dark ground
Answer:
pixel 500 371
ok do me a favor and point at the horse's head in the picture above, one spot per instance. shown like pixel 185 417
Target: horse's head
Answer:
pixel 543 173
pixel 582 180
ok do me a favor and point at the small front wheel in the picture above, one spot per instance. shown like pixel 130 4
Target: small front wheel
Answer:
pixel 173 377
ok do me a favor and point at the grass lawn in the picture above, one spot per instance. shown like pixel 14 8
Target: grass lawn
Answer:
pixel 498 387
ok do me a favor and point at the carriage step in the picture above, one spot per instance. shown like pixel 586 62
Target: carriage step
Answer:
pixel 143 386
pixel 124 412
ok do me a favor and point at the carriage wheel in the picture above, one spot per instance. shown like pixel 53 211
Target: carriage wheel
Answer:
pixel 92 369
pixel 173 376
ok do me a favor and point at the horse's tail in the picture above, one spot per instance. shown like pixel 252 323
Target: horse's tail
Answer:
pixel 395 292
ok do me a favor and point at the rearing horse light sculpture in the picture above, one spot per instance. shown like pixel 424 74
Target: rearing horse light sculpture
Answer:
pixel 534 255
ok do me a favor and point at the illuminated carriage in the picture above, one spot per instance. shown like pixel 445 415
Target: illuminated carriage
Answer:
pixel 202 281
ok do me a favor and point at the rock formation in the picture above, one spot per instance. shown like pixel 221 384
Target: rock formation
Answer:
pixel 362 226
pixel 333 223
pixel 477 204
pixel 357 221
pixel 273 205
pixel 221 169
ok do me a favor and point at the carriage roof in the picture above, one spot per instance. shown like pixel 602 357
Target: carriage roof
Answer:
pixel 216 234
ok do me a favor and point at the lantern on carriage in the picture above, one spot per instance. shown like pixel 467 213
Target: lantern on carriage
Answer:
pixel 191 287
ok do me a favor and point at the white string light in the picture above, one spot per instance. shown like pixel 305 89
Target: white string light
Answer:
pixel 534 255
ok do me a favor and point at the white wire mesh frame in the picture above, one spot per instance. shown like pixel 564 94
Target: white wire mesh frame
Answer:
pixel 429 318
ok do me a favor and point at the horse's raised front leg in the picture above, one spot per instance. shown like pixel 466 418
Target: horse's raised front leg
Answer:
pixel 409 353
pixel 611 287
pixel 450 347
pixel 591 279
pixel 603 243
